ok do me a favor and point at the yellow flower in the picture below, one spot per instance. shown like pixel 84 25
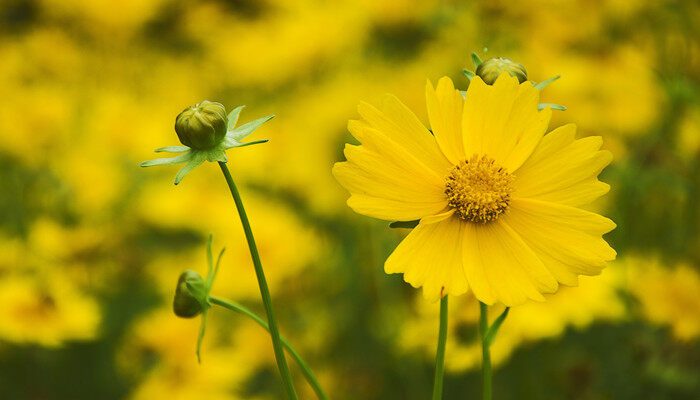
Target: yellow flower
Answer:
pixel 667 294
pixel 497 199
pixel 47 312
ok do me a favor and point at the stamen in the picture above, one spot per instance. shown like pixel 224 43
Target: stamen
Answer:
pixel 479 189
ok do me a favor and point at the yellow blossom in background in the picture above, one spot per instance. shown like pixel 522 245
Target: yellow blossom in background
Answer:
pixel 594 299
pixel 498 201
pixel 47 311
pixel 667 294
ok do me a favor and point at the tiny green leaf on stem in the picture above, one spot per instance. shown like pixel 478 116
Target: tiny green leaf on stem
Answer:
pixel 246 129
pixel 491 333
pixel 232 118
pixel 542 84
pixel 553 106
pixel 468 74
pixel 476 60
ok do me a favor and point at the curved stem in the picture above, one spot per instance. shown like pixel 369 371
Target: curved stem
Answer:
pixel 264 290
pixel 485 351
pixel 440 353
pixel 304 367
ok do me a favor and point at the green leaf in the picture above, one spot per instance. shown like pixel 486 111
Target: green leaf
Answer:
pixel 542 84
pixel 182 158
pixel 172 149
pixel 404 224
pixel 195 161
pixel 216 268
pixel 493 329
pixel 246 129
pixel 476 60
pixel 202 328
pixel 553 106
pixel 468 74
pixel 233 118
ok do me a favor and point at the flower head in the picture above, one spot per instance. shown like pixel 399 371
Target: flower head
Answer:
pixel 498 202
pixel 206 133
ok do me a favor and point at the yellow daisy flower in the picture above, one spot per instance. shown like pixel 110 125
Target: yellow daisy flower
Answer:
pixel 497 199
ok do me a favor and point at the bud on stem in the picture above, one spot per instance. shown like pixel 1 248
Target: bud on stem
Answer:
pixel 490 69
pixel 202 126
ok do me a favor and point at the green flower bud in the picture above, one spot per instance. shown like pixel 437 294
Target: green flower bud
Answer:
pixel 185 305
pixel 490 69
pixel 202 126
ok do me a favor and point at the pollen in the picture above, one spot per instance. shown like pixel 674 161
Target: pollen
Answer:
pixel 479 189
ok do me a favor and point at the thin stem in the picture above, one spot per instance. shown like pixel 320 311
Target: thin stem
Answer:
pixel 485 352
pixel 304 367
pixel 264 290
pixel 440 353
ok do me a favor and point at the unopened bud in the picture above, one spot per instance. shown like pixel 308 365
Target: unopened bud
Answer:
pixel 185 305
pixel 202 126
pixel 490 70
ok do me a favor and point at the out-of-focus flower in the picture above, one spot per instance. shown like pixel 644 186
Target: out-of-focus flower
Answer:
pixel 46 310
pixel 206 133
pixel 668 295
pixel 498 203
pixel 175 374
pixel 594 299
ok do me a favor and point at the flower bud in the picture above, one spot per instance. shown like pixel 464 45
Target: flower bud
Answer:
pixel 202 126
pixel 490 69
pixel 185 305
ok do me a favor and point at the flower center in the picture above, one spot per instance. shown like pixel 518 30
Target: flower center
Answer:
pixel 479 189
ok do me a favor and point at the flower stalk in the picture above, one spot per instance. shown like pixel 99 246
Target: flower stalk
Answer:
pixel 264 290
pixel 440 353
pixel 305 370
pixel 488 335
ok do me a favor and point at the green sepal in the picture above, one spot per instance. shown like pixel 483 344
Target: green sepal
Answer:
pixel 476 60
pixel 172 149
pixel 468 74
pixel 404 224
pixel 542 84
pixel 196 159
pixel 200 338
pixel 200 291
pixel 232 118
pixel 493 329
pixel 553 106
pixel 246 129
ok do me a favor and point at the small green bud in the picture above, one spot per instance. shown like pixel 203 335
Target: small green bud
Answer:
pixel 185 305
pixel 202 126
pixel 490 69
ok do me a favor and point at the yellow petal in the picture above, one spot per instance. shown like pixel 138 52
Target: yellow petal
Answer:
pixel 568 240
pixel 501 267
pixel 502 120
pixel 388 176
pixel 431 257
pixel 399 124
pixel 392 210
pixel 563 170
pixel 445 113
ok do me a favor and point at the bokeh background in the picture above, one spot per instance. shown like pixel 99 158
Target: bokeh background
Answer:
pixel 91 245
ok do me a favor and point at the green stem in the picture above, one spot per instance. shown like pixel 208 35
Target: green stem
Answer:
pixel 485 352
pixel 304 367
pixel 264 290
pixel 440 353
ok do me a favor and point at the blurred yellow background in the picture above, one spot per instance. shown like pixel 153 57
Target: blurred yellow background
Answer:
pixel 91 245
